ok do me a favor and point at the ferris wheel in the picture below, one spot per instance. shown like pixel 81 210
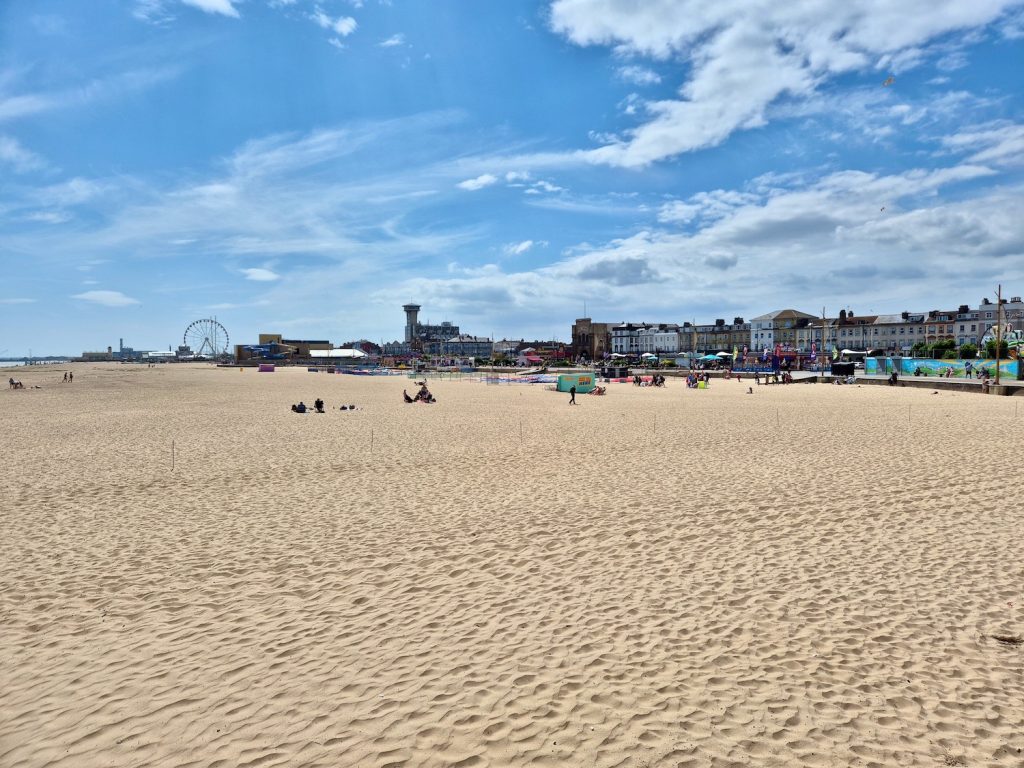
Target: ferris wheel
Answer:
pixel 206 338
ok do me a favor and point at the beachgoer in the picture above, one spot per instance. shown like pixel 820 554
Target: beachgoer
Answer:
pixel 318 404
pixel 572 395
pixel 407 398
pixel 301 407
pixel 757 378
pixel 968 368
pixel 71 377
pixel 892 379
pixel 65 377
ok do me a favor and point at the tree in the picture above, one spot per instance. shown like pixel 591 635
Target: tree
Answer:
pixel 941 347
pixel 920 349
pixel 990 349
pixel 968 351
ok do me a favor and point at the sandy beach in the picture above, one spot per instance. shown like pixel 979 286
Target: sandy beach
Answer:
pixel 811 575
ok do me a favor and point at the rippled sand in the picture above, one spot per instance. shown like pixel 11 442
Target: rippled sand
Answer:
pixel 807 576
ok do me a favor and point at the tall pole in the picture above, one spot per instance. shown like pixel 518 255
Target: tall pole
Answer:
pixel 823 340
pixel 999 327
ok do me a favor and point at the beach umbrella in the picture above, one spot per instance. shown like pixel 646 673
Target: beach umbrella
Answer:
pixel 709 357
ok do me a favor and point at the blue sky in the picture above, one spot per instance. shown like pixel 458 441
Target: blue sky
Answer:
pixel 308 167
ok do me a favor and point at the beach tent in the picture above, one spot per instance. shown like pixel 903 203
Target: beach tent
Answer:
pixel 584 382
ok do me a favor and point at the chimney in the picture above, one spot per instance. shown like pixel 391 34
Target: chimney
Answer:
pixel 842 315
pixel 737 321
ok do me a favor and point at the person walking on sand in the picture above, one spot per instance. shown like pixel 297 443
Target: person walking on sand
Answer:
pixel 71 377
pixel 65 377
pixel 572 395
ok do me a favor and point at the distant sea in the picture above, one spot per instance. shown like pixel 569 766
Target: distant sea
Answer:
pixel 15 363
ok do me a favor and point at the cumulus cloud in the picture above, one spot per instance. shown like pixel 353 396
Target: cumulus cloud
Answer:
pixel 738 62
pixel 393 42
pixel 472 185
pixel 106 298
pixel 342 25
pixel 260 275
pixel 638 75
pixel 739 241
pixel 223 7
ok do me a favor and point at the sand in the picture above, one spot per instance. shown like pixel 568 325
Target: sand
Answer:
pixel 807 576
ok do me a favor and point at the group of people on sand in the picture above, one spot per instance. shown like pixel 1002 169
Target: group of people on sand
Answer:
pixel 783 377
pixel 422 396
pixel 318 407
pixel 695 378
pixel 14 383
pixel 656 380
pixel 69 377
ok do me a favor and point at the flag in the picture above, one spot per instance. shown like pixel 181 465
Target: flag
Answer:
pixel 814 351
pixel 835 351
pixel 744 350
pixel 735 353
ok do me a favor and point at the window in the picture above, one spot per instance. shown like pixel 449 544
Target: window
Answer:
pixel 901 331
pixel 974 327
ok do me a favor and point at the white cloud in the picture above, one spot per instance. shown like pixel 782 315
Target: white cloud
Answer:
pixel 1000 143
pixel 49 217
pixel 638 75
pixel 515 249
pixel 393 41
pixel 484 180
pixel 514 177
pixel 223 7
pixel 545 186
pixel 738 61
pixel 18 157
pixel 106 298
pixel 767 234
pixel 342 25
pixel 260 275
pixel 23 105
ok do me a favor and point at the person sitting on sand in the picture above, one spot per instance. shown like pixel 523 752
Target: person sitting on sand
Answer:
pixel 301 407
pixel 407 398
pixel 917 371
pixel 318 405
